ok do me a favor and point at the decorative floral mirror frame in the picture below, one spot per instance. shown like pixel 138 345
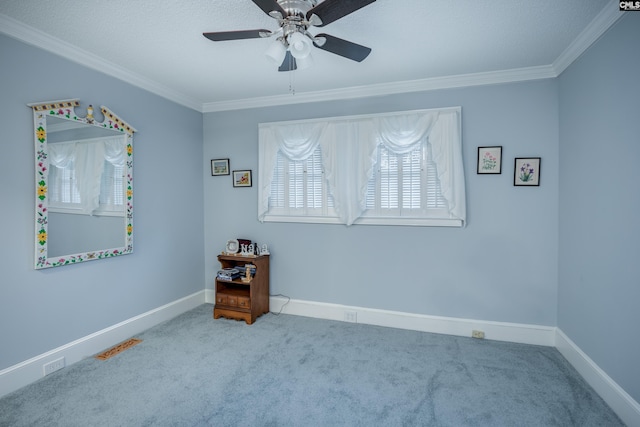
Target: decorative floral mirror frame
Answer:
pixel 65 110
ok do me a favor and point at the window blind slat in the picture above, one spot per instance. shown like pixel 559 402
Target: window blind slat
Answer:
pixel 304 182
pixel 403 184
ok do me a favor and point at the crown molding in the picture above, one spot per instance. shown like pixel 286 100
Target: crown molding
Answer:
pixel 40 39
pixel 600 24
pixel 447 82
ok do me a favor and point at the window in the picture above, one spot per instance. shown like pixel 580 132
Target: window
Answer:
pixel 299 188
pixel 62 186
pixel 64 195
pixel 404 186
pixel 87 176
pixel 398 168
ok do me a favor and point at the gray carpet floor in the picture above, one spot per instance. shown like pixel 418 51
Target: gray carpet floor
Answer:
pixel 295 371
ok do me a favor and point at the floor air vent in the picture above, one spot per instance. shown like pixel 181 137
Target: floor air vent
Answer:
pixel 118 348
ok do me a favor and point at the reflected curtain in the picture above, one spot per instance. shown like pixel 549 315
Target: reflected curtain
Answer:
pixel 88 157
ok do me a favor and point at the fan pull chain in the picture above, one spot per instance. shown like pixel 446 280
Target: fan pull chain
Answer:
pixel 292 82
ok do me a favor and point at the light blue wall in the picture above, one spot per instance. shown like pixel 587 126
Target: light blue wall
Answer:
pixel 44 309
pixel 507 265
pixel 599 268
pixel 501 267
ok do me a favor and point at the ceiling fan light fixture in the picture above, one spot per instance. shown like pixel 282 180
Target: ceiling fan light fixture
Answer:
pixel 305 62
pixel 276 51
pixel 294 41
pixel 299 45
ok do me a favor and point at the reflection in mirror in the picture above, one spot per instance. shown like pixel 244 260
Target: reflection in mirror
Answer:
pixel 84 172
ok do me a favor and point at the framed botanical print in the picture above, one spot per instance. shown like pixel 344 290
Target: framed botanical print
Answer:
pixel 526 171
pixel 490 160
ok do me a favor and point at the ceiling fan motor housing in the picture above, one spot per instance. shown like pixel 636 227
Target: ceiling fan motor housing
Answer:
pixel 298 8
pixel 296 17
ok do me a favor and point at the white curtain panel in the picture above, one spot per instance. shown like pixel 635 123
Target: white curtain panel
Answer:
pixel 89 156
pixel 349 154
pixel 115 150
pixel 61 154
pixel 446 145
pixel 89 167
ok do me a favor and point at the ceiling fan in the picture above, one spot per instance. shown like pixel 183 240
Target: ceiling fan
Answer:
pixel 292 46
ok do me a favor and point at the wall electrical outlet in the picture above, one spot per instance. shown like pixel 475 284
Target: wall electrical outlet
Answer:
pixel 351 316
pixel 51 367
pixel 477 334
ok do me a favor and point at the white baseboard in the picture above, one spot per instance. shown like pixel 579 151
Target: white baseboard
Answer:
pixel 24 373
pixel 499 331
pixel 618 399
pixel 210 296
pixel 622 403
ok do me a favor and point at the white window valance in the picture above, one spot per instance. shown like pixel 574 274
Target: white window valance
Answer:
pixel 348 147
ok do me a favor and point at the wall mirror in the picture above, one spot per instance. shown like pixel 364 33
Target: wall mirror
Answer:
pixel 83 186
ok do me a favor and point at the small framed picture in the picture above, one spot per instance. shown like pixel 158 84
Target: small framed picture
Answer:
pixel 219 167
pixel 527 171
pixel 242 178
pixel 490 160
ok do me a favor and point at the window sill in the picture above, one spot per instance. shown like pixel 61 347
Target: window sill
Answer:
pixel 73 211
pixel 412 222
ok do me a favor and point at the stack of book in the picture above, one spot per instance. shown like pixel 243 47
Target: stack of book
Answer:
pixel 229 273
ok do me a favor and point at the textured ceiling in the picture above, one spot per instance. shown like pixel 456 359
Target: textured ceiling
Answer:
pixel 159 43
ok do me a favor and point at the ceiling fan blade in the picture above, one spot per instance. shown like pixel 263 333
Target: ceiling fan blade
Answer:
pixel 343 48
pixel 237 35
pixel 270 6
pixel 332 10
pixel 289 63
